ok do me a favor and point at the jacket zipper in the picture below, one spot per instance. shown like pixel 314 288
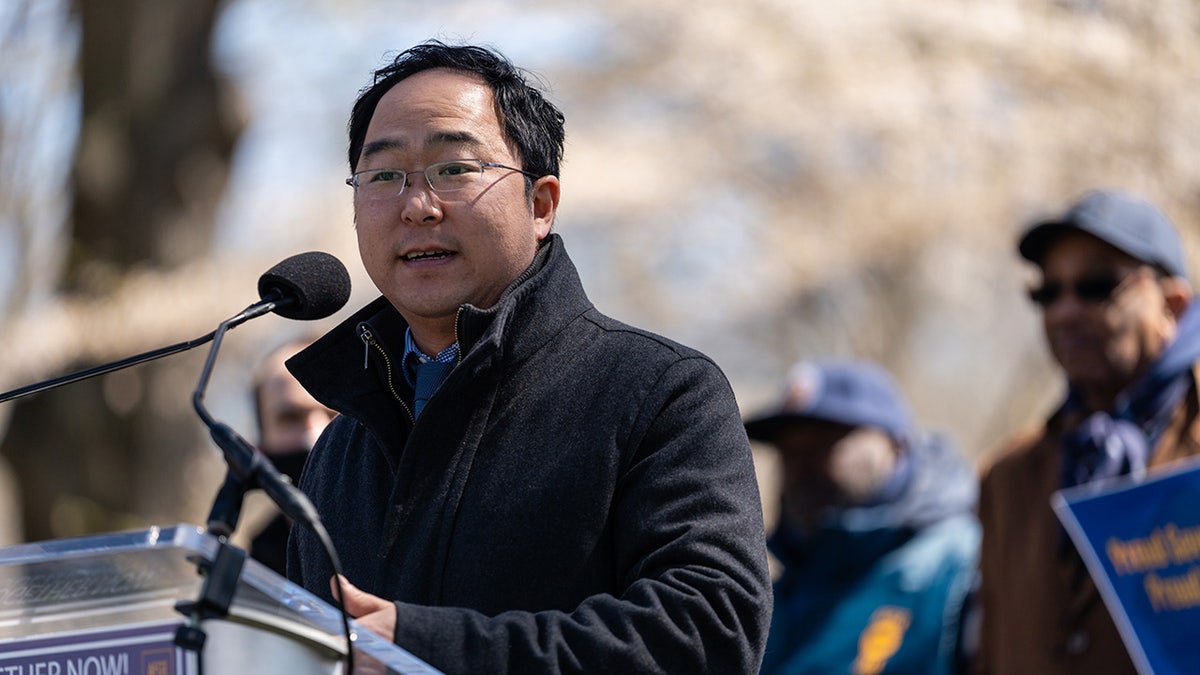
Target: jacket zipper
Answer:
pixel 458 322
pixel 369 343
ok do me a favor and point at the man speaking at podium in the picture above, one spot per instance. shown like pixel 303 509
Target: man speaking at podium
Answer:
pixel 516 483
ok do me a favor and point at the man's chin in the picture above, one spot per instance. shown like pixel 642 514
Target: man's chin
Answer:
pixel 429 306
pixel 1082 365
pixel 1092 379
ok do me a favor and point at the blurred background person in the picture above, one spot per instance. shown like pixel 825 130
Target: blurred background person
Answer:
pixel 876 534
pixel 289 422
pixel 1112 294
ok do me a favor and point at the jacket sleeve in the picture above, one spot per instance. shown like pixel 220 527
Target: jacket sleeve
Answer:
pixel 690 549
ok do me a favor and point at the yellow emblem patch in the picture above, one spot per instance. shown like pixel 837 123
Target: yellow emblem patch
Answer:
pixel 880 640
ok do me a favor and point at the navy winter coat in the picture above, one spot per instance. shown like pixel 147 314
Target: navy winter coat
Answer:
pixel 578 495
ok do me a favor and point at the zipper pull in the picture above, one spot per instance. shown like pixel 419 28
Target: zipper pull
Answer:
pixel 366 338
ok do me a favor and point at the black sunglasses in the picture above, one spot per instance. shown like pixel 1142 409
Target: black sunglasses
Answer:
pixel 1096 289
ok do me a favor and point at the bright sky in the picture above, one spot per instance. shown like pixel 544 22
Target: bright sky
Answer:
pixel 40 108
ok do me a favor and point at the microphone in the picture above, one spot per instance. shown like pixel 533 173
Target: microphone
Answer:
pixel 306 286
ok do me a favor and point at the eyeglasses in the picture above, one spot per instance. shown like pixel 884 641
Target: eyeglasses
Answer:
pixel 1094 290
pixel 456 174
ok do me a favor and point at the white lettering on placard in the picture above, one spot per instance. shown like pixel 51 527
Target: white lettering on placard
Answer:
pixel 113 664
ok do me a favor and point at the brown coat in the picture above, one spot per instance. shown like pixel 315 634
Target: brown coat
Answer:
pixel 1041 612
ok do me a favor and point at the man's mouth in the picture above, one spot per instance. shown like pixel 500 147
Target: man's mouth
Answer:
pixel 436 254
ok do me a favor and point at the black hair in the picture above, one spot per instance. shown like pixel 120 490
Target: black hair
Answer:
pixel 528 120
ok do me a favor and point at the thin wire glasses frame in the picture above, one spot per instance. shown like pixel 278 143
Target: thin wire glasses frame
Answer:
pixel 448 176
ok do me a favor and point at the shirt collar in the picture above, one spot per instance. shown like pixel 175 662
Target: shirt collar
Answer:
pixel 414 356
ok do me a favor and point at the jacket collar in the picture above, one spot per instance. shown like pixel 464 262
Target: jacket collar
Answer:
pixel 534 308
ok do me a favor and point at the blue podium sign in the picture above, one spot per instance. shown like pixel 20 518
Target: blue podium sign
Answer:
pixel 1141 544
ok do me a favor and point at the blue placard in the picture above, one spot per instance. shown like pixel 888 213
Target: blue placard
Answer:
pixel 1141 544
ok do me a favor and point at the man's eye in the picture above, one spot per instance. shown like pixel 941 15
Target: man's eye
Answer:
pixel 456 169
pixel 385 176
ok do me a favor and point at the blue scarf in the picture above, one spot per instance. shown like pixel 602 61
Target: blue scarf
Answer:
pixel 1110 444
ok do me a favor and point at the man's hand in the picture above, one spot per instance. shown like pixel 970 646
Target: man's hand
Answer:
pixel 371 611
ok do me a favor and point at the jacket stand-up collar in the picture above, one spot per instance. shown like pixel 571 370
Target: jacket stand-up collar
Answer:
pixel 538 304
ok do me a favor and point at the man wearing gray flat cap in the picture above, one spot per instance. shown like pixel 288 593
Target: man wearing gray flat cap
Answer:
pixel 1114 297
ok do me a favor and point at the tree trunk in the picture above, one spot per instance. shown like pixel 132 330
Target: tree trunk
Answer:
pixel 153 158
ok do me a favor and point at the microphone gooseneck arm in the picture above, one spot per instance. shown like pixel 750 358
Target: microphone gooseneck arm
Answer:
pixel 69 378
pixel 264 306
pixel 257 309
pixel 306 286
pixel 248 468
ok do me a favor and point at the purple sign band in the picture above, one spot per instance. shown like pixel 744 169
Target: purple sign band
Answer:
pixel 144 650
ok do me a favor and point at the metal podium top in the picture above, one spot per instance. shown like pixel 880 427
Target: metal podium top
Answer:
pixel 135 578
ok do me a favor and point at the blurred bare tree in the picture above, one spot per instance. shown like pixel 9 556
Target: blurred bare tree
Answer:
pixel 765 180
pixel 155 141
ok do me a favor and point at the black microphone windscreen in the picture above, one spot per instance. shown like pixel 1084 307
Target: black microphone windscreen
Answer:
pixel 316 282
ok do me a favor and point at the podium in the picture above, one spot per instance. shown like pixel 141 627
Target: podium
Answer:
pixel 106 605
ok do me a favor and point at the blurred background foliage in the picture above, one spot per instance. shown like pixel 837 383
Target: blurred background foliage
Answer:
pixel 766 180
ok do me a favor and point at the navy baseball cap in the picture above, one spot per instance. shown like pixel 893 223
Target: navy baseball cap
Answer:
pixel 854 393
pixel 1123 220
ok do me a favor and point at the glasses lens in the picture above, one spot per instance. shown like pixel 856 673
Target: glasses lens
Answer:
pixel 379 183
pixel 455 175
pixel 1096 290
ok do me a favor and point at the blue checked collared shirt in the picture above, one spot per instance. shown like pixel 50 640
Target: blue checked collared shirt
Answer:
pixel 413 356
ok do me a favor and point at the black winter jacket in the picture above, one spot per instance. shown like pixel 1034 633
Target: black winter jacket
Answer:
pixel 578 495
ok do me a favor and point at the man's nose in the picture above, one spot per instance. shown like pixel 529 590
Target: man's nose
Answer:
pixel 421 205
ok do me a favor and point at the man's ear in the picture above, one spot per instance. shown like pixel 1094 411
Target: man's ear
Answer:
pixel 544 203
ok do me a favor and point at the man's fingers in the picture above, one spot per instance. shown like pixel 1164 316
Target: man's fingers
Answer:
pixel 337 579
pixel 357 602
pixel 341 587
